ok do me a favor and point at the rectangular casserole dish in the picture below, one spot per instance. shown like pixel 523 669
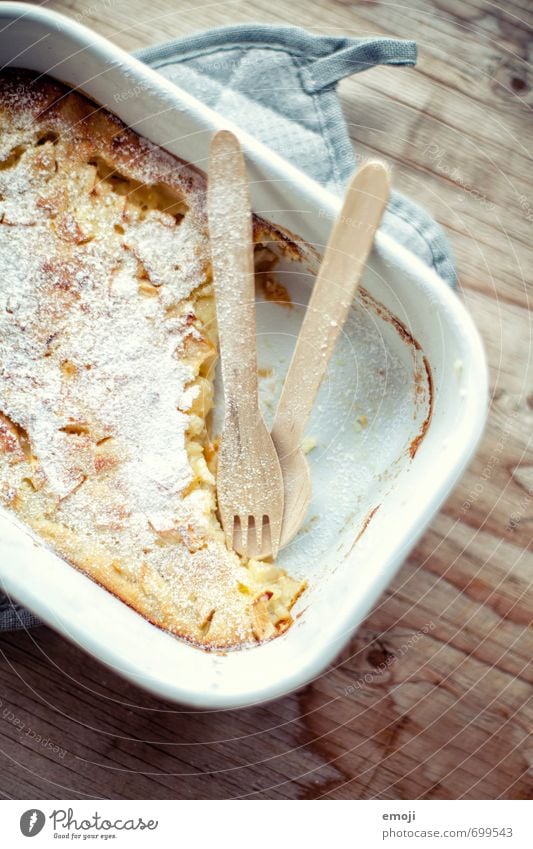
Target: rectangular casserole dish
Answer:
pixel 398 417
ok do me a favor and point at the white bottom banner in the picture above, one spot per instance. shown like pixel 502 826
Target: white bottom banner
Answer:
pixel 256 825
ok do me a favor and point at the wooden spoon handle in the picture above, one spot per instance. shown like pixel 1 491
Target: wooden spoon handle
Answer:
pixel 333 293
pixel 231 236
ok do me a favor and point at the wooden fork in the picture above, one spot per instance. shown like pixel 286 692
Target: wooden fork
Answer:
pixel 249 480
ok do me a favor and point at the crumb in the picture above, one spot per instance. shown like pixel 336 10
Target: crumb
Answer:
pixel 308 444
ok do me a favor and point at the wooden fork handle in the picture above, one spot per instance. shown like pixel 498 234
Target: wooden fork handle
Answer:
pixel 333 293
pixel 230 227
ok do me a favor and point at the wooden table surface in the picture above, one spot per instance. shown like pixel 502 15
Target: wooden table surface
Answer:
pixel 449 714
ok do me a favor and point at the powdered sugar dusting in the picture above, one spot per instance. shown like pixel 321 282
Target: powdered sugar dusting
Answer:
pixel 99 345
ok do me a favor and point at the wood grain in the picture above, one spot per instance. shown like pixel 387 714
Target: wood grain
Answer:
pixel 344 260
pixel 432 699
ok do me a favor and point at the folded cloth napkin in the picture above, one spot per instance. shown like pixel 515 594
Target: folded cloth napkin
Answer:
pixel 279 84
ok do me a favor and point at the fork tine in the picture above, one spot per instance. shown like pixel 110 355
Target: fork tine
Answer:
pixel 229 530
pixel 275 534
pixel 243 522
pixel 258 521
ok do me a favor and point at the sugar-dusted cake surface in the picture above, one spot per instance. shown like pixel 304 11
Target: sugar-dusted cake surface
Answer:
pixel 107 348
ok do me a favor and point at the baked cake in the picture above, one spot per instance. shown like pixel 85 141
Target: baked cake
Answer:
pixel 107 348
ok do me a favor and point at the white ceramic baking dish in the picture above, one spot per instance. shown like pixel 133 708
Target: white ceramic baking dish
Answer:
pixel 377 482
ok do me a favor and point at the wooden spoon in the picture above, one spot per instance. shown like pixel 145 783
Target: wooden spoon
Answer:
pixel 333 294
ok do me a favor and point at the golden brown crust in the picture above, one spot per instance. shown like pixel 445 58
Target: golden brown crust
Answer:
pixel 42 104
pixel 107 348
